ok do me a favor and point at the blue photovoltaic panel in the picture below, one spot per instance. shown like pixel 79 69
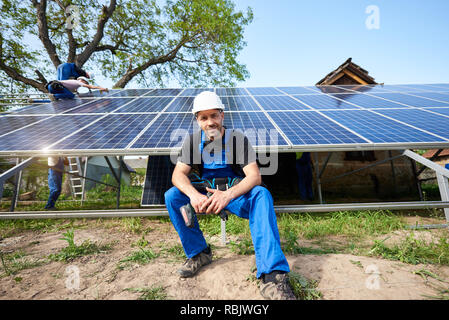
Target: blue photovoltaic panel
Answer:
pixel 296 90
pixel 256 126
pixel 54 107
pixel 444 111
pixel 368 102
pixel 240 103
pixel 45 133
pixel 322 101
pixel 194 92
pixel 433 95
pixel 163 92
pixel 444 86
pixel 421 119
pixel 168 131
pixel 264 91
pixel 423 88
pixel 98 94
pixel 231 92
pixel 11 123
pixel 332 89
pixel 311 128
pixel 157 180
pixel 148 104
pixel 364 88
pixel 115 131
pixel 181 104
pixel 379 129
pixel 131 92
pixel 101 106
pixel 399 88
pixel 280 103
pixel 412 100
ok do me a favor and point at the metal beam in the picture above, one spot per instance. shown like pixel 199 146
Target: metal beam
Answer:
pixel 162 211
pixel 430 164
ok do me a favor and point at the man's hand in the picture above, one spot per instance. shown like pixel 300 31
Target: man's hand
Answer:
pixel 217 202
pixel 197 202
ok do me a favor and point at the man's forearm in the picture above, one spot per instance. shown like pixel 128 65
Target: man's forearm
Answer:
pixel 244 186
pixel 182 182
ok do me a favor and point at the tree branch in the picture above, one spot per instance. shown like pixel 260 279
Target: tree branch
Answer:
pixel 131 73
pixel 90 48
pixel 41 9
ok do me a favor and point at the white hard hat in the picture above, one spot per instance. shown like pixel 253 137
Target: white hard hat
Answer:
pixel 207 100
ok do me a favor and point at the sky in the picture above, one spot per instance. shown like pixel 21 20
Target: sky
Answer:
pixel 295 42
pixel 298 42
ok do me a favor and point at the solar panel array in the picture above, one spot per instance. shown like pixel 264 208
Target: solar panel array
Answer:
pixel 154 121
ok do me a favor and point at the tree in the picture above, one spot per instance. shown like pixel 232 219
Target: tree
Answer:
pixel 195 42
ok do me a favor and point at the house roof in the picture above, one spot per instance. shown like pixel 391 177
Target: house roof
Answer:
pixel 349 69
pixel 430 153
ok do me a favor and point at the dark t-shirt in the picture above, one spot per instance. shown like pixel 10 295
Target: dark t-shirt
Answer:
pixel 222 154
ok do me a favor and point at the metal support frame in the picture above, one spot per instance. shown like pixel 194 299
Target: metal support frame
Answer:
pixel 162 211
pixel 117 178
pixel 18 180
pixel 14 171
pixel 83 196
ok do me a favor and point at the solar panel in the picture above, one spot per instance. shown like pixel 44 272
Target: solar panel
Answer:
pixel 311 128
pixel 168 131
pixel 114 131
pixel 368 102
pixel 157 180
pixel 105 105
pixel 379 129
pixel 54 107
pixel 11 123
pixel 421 119
pixel 240 103
pixel 231 92
pixel 131 92
pixel 146 104
pixel 322 101
pixel 163 92
pixel 41 135
pixel 412 101
pixel 130 121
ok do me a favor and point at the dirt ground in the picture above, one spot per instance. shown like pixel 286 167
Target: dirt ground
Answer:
pixel 230 276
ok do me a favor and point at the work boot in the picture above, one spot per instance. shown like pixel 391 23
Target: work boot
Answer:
pixel 275 286
pixel 194 264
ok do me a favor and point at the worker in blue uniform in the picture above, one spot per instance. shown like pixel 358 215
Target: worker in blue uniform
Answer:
pixel 67 71
pixel 210 149
pixel 305 177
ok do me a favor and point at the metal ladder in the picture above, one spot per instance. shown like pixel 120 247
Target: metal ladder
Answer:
pixel 76 183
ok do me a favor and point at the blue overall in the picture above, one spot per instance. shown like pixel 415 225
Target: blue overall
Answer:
pixel 55 183
pixel 66 71
pixel 304 171
pixel 65 94
pixel 256 205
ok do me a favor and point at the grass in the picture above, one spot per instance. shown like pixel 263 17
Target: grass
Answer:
pixel 303 288
pixel 14 262
pixel 152 293
pixel 414 251
pixel 73 251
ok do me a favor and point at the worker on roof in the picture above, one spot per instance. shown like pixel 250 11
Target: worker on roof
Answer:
pixel 210 150
pixel 67 71
pixel 64 89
